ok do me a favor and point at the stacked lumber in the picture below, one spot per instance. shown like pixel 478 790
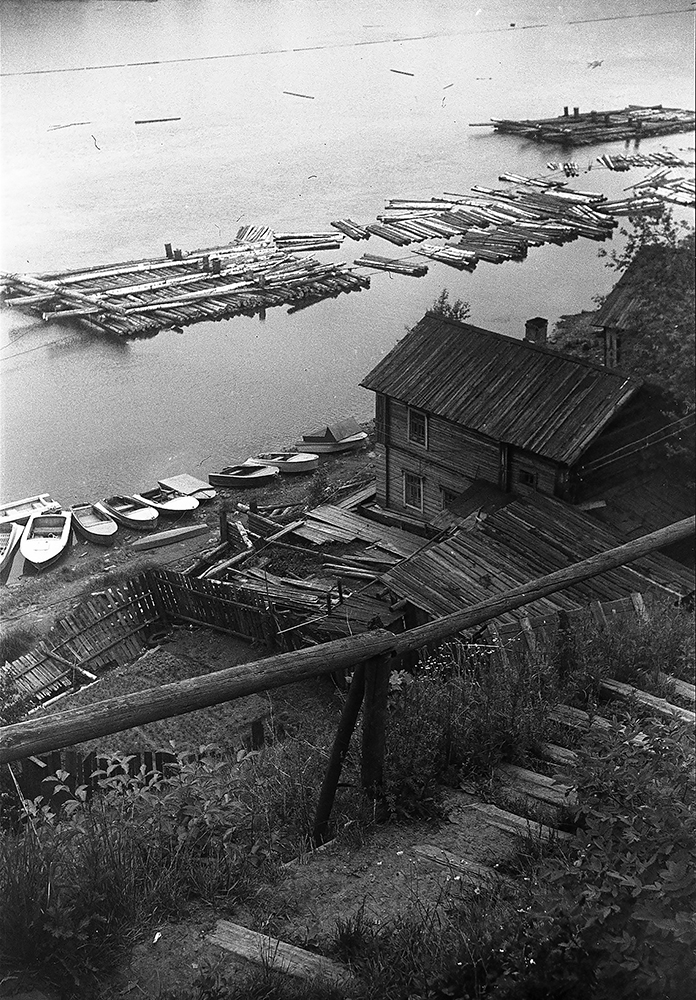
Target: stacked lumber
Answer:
pixel 597 126
pixel 646 205
pixel 393 265
pixel 351 229
pixel 139 298
pixel 307 241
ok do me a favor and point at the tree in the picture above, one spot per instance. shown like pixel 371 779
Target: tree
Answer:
pixel 658 348
pixel 459 309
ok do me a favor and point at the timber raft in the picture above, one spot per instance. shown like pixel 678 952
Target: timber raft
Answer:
pixel 142 297
pixel 583 129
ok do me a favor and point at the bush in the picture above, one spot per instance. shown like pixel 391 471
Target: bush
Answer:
pixel 74 884
pixel 462 711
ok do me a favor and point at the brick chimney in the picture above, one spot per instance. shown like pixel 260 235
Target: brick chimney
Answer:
pixel 535 330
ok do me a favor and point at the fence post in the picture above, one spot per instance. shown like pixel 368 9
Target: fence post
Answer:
pixel 375 724
pixel 153 584
pixel 346 725
pixel 224 528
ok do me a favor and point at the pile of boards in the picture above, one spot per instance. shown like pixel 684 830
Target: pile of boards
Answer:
pixel 141 297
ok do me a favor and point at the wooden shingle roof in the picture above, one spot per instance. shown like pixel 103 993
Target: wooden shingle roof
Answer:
pixel 509 390
pixel 530 536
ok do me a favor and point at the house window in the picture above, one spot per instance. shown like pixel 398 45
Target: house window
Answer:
pixel 418 427
pixel 413 491
pixel 528 478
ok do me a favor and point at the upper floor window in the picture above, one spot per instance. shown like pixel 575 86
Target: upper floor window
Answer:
pixel 413 491
pixel 418 427
pixel 528 478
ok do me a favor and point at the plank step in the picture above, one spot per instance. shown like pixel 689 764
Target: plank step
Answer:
pixel 554 754
pixel 518 825
pixel 682 688
pixel 270 952
pixel 577 719
pixel 463 866
pixel 537 786
pixel 659 705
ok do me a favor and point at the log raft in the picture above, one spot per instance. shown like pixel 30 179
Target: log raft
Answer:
pixel 583 129
pixel 139 298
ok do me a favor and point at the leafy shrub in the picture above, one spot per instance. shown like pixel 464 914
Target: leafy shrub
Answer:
pixel 73 884
pixel 462 711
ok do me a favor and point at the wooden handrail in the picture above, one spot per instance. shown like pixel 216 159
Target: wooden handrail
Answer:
pixel 39 734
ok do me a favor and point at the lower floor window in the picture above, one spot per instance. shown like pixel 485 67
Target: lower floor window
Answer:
pixel 413 491
pixel 528 478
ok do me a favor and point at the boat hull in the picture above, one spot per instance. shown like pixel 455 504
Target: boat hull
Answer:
pixel 244 476
pixel 10 536
pixel 20 511
pixel 169 504
pixel 126 510
pixel 93 524
pixel 351 443
pixel 45 538
pixel 287 462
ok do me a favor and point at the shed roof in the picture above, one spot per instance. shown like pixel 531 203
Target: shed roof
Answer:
pixel 622 307
pixel 530 536
pixel 509 390
pixel 336 431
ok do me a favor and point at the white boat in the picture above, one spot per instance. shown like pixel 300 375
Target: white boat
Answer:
pixel 167 502
pixel 243 475
pixel 129 512
pixel 45 537
pixel 10 535
pixel 286 461
pixel 343 435
pixel 93 523
pixel 20 511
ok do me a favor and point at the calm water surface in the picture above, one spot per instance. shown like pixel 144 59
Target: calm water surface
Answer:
pixel 84 415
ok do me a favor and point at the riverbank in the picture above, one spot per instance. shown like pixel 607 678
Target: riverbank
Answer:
pixel 29 605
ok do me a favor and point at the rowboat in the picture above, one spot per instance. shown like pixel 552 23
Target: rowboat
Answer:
pixel 243 475
pixel 343 435
pixel 350 443
pixel 93 524
pixel 129 512
pixel 10 535
pixel 167 502
pixel 45 537
pixel 20 511
pixel 286 461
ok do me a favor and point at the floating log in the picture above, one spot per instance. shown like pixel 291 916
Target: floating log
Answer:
pixel 596 126
pixel 395 266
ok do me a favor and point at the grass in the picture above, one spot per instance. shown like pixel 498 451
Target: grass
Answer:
pixel 16 640
pixel 76 886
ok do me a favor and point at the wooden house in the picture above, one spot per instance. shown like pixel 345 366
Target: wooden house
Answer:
pixel 456 403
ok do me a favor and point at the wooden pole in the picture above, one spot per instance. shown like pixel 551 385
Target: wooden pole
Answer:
pixel 116 714
pixel 374 733
pixel 349 717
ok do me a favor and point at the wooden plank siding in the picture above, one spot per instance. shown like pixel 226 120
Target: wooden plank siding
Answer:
pixel 453 458
pixel 547 473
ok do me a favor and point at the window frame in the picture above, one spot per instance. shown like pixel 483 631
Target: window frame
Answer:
pixel 414 412
pixel 531 480
pixel 420 480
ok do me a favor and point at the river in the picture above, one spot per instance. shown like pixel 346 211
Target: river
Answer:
pixel 86 415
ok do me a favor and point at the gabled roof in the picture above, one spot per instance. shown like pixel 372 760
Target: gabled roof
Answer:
pixel 509 390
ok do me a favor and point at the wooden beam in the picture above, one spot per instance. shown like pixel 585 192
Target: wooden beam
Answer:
pixel 272 953
pixel 117 714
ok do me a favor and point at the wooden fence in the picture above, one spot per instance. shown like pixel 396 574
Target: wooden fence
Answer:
pixel 107 629
pixel 114 627
pixel 217 605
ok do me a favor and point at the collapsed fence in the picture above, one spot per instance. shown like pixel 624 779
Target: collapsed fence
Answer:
pixel 371 656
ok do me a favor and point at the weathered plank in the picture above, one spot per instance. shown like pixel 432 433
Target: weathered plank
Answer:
pixel 659 705
pixel 272 953
pixel 518 825
pixel 463 866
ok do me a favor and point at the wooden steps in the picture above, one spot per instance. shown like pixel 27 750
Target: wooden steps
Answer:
pixel 662 707
pixel 539 787
pixel 272 953
pixel 473 870
pixel 518 825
